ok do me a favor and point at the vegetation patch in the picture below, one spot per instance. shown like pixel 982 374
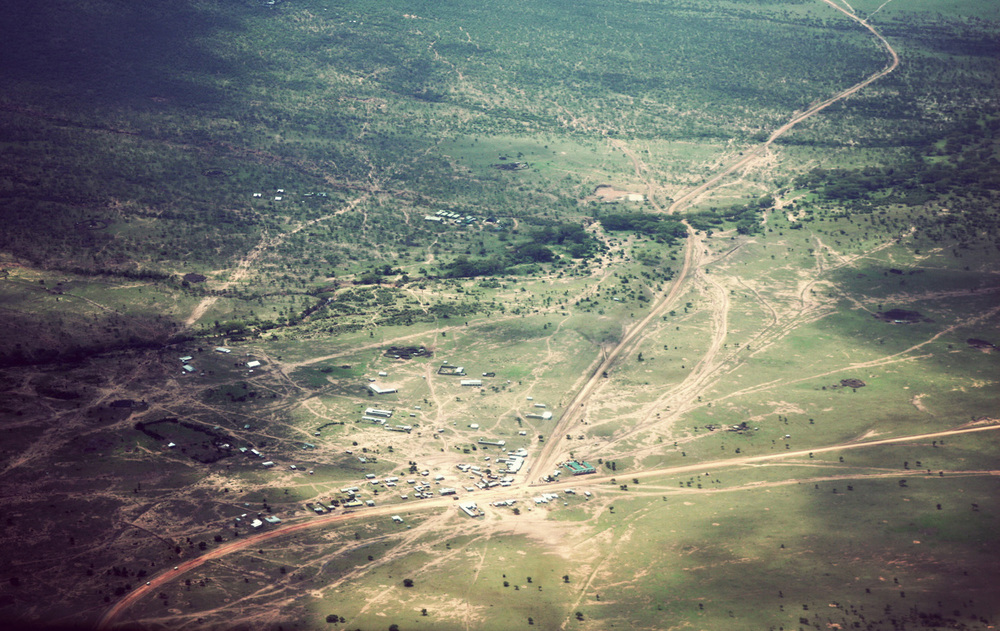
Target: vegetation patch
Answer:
pixel 197 442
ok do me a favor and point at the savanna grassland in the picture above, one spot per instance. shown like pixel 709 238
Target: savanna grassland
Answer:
pixel 743 257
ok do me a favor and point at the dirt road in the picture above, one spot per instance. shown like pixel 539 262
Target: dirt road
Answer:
pixel 313 523
pixel 550 454
pixel 755 153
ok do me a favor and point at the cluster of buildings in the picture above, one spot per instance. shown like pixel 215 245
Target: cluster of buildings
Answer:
pixel 187 368
pixel 378 416
pixel 279 193
pixel 256 522
pixel 470 509
pixel 446 216
pixel 545 498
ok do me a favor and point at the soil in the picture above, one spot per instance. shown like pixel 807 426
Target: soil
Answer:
pixel 92 224
pixel 982 345
pixel 901 316
pixel 512 166
pixel 407 352
pixel 608 193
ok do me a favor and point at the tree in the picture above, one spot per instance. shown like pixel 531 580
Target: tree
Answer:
pixel 565 578
pixel 393 627
pixel 333 619
pixel 423 612
pixel 407 582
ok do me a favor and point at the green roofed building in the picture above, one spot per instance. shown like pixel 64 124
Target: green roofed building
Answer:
pixel 579 468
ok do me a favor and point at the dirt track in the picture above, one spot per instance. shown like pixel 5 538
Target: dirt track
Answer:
pixel 692 260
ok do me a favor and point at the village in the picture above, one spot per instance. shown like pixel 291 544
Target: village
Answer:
pixel 491 474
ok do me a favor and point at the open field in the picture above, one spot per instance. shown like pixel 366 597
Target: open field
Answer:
pixel 286 285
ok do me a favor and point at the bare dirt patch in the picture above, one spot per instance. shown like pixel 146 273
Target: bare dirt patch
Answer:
pixel 608 193
pixel 982 345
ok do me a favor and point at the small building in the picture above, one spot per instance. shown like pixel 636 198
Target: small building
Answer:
pixel 471 382
pixel 470 509
pixel 272 519
pixel 256 523
pixel 397 519
pixel 383 373
pixel 545 416
pixel 353 504
pixel 447 491
pixel 494 443
pixel 580 468
pixel 186 359
pixel 473 425
pixel 253 364
pixel 382 389
pixel 267 465
pixel 187 368
pixel 378 412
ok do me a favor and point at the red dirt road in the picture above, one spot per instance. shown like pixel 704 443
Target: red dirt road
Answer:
pixel 108 620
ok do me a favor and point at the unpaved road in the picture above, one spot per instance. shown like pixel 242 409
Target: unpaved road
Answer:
pixel 313 523
pixel 574 411
pixel 755 153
